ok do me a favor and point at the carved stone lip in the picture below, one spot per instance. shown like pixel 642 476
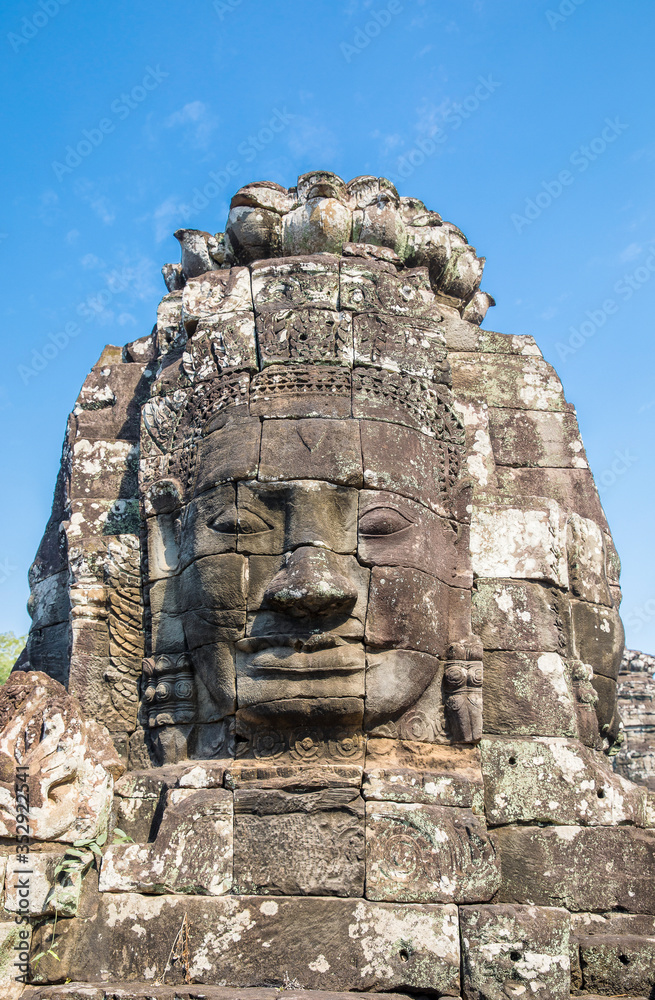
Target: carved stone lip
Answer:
pixel 310 644
pixel 315 654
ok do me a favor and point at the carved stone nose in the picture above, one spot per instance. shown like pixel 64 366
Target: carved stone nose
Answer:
pixel 310 584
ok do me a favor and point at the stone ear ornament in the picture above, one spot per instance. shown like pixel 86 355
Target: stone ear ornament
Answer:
pixel 170 694
pixel 462 684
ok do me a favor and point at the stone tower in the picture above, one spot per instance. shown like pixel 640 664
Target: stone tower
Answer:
pixel 325 625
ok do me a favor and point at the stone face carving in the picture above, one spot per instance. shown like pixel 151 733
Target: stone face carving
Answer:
pixel 328 561
pixel 69 761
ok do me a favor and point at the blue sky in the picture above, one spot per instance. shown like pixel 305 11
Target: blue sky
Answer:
pixel 528 123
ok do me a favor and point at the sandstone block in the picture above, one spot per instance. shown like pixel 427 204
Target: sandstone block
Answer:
pixel 430 854
pixel 587 560
pixel 305 336
pixel 528 694
pixel 618 965
pixel 321 225
pixel 296 282
pixel 14 958
pixel 311 449
pixel 214 293
pixel 296 844
pixel 530 438
pixel 192 852
pixel 370 286
pixel 46 891
pixel 297 513
pixel 553 780
pixel 404 461
pixel 525 542
pixel 523 383
pixel 513 951
pixel 581 868
pixel 572 489
pixel 598 637
pixel 401 771
pixel 480 463
pixel 396 531
pixel 333 944
pixel 521 616
pixel 415 345
pixel 302 391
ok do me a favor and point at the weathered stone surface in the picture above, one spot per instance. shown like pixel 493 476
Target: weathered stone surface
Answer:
pixel 572 489
pixel 301 391
pixel 551 780
pixel 14 958
pixel 581 868
pixel 70 761
pixel 526 541
pixel 400 771
pixel 307 336
pixel 636 698
pixel 429 854
pixel 295 282
pixel 192 852
pixel 618 965
pixel 615 952
pixel 523 383
pixel 536 438
pixel 521 616
pixel 311 449
pixel 411 345
pixel 215 293
pixel 372 286
pixel 403 461
pixel 46 891
pixel 337 944
pixel 587 561
pixel 407 610
pixel 151 991
pixel 598 637
pixel 513 951
pixel 295 844
pixel 528 694
pixel 396 531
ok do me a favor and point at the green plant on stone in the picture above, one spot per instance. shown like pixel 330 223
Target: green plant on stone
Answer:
pixel 75 863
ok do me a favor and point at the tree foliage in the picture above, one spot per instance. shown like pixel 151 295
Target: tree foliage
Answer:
pixel 11 646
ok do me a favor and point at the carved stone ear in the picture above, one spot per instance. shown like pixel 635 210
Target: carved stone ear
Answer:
pixel 162 503
pixel 163 497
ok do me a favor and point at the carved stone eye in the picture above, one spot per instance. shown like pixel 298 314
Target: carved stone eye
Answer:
pixel 225 522
pixel 251 524
pixel 383 521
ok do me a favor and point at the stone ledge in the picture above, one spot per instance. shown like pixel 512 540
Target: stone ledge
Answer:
pixel 149 991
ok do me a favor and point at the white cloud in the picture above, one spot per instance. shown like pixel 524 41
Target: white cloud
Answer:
pixel 197 121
